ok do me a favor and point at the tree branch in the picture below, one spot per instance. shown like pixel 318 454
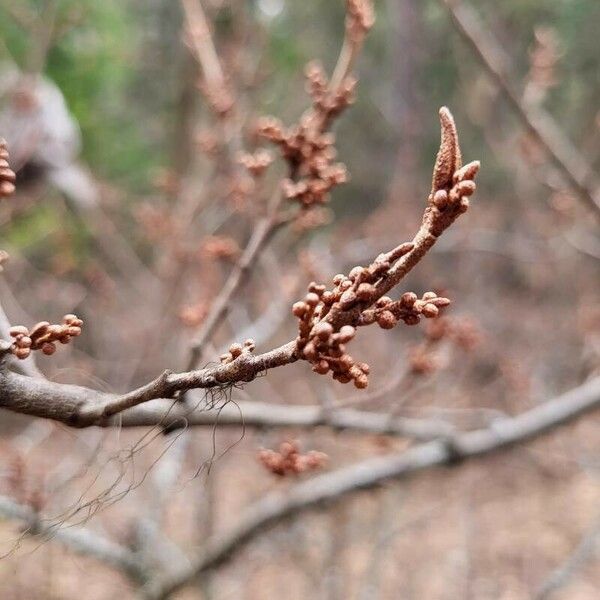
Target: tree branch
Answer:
pixel 261 236
pixel 538 122
pixel 264 415
pixel 582 553
pixel 370 473
pixel 83 407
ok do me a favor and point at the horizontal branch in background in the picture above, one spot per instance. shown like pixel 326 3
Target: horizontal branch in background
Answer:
pixel 269 416
pixel 329 487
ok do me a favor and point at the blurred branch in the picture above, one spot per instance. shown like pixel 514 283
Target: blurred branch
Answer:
pixel 201 43
pixel 264 231
pixel 540 124
pixel 268 416
pixel 22 14
pixel 329 487
pixel 42 37
pixel 106 236
pixel 81 540
pixel 83 407
pixel 587 547
pixel 584 242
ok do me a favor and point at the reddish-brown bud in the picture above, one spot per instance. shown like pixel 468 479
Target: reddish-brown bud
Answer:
pixel 348 300
pixel 411 319
pixel 235 350
pixel 386 320
pixel 18 330
pixel 312 299
pixel 299 309
pixel 466 188
pixel 361 382
pixel 365 292
pixel 383 302
pixel 408 299
pixel 430 311
pixel 48 348
pixel 323 330
pixel 469 171
pixel 22 353
pixel 322 367
pixel 347 333
pixel 440 199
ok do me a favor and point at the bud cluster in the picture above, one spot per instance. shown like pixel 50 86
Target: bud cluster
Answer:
pixel 256 163
pixel 422 360
pixel 324 345
pixel 409 309
pixel 452 183
pixel 44 336
pixel 288 460
pixel 463 186
pixel 7 175
pixel 310 154
pixel 308 147
pixel 236 350
pixel 462 332
pixel 360 17
pixel 327 102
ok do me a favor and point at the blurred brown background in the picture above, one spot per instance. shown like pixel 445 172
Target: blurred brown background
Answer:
pixel 122 140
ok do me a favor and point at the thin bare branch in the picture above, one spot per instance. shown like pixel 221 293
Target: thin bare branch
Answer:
pixel 264 231
pixel 541 125
pixel 201 43
pixel 582 553
pixel 78 539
